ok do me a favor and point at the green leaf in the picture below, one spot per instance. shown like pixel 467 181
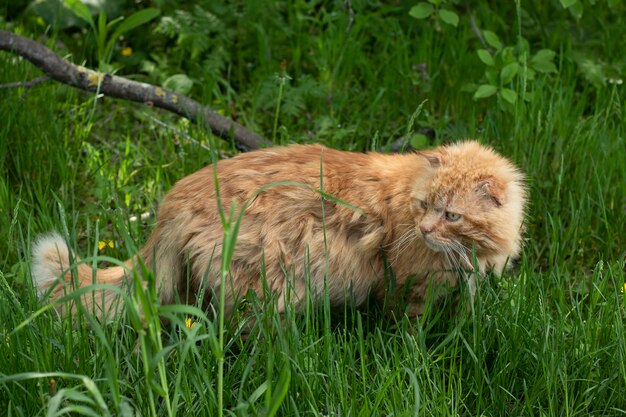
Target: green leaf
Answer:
pixel 576 10
pixel 485 90
pixel 592 71
pixel 419 141
pixel 509 95
pixel 179 83
pixel 492 39
pixel 507 55
pixel 542 61
pixel 544 55
pixel 55 16
pixel 80 10
pixel 486 57
pixel 258 392
pixel 280 391
pixel 469 88
pixel 449 17
pixel 568 3
pixel 95 392
pixel 131 22
pixel 492 76
pixel 135 20
pixel 111 24
pixel 421 10
pixel 508 72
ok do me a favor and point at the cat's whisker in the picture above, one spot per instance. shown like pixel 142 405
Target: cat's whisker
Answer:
pixel 462 251
pixel 456 251
pixel 465 254
pixel 402 236
pixel 451 252
pixel 408 241
pixel 450 259
pixel 404 242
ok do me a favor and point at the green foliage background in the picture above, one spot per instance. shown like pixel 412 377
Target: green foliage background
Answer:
pixel 541 81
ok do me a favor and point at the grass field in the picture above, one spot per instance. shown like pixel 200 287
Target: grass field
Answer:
pixel 546 339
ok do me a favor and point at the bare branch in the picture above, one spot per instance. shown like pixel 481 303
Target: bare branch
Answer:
pixel 26 84
pixel 475 29
pixel 110 85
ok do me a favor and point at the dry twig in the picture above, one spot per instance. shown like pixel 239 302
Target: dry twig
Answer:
pixel 25 84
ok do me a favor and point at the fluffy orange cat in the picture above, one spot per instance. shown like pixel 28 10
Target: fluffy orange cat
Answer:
pixel 414 219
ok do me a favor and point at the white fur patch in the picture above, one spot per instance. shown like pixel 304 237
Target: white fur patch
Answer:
pixel 50 259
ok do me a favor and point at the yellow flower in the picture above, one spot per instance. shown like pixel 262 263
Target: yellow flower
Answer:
pixel 189 323
pixel 128 51
pixel 104 243
pixel 52 386
pixel 624 287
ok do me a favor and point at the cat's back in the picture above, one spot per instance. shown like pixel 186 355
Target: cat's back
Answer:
pixel 241 176
pixel 294 162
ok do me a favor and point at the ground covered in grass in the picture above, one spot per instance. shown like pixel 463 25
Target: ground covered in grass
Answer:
pixel 542 82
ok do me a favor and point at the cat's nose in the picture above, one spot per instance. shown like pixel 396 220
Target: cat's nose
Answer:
pixel 426 229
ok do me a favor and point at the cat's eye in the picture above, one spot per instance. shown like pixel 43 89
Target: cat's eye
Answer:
pixel 423 205
pixel 452 217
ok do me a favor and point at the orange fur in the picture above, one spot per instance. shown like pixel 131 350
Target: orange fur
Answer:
pixel 420 215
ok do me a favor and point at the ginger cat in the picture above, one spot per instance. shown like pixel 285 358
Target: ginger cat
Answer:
pixel 419 215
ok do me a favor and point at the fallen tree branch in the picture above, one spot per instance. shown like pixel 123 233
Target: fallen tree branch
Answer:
pixel 110 85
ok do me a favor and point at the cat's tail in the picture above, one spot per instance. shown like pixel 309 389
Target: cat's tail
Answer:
pixel 53 275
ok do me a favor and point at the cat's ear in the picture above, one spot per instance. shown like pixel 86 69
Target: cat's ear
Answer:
pixel 490 189
pixel 433 157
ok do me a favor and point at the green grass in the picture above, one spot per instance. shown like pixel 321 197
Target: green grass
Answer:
pixel 547 339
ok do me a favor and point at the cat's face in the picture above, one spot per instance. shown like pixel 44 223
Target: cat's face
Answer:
pixel 457 213
pixel 475 201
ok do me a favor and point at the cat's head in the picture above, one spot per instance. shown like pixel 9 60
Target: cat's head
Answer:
pixel 476 199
